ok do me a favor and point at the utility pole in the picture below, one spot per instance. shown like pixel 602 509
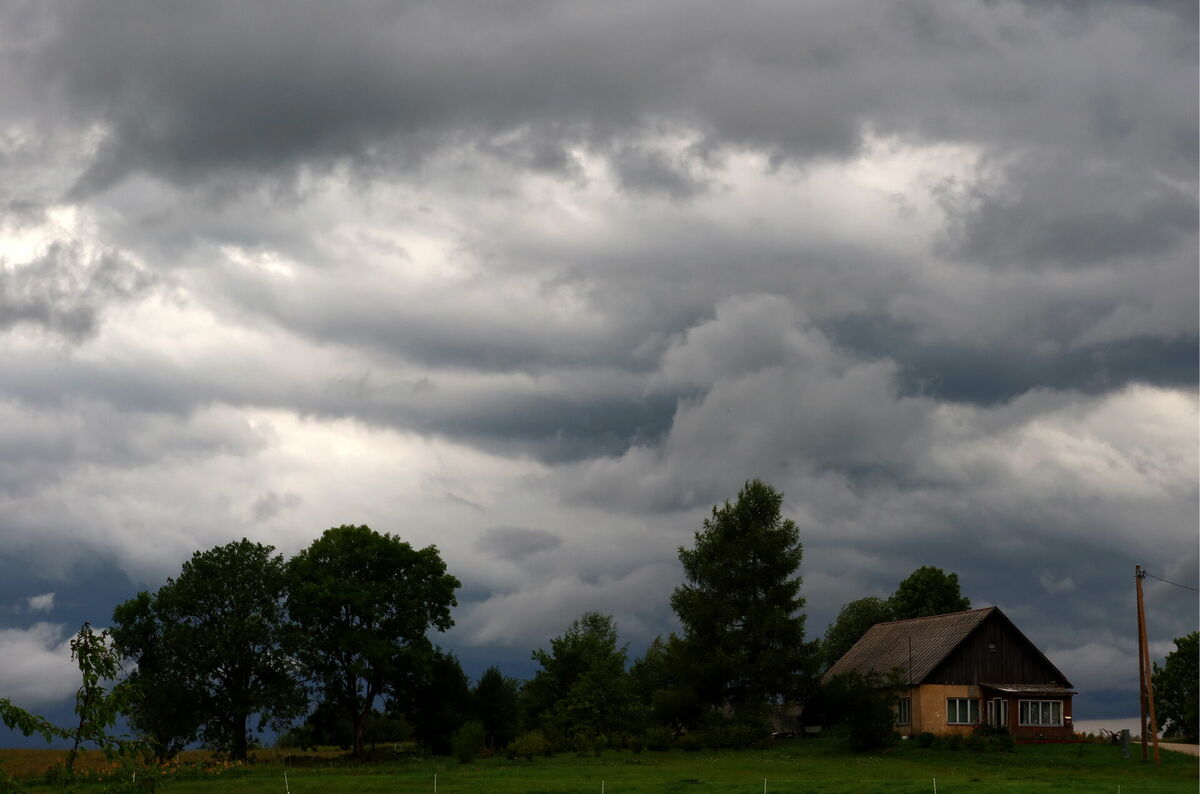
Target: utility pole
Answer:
pixel 1145 668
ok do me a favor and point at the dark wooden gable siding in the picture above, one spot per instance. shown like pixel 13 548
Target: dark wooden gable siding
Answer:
pixel 1014 659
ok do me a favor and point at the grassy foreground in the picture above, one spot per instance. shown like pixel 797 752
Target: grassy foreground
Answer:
pixel 821 765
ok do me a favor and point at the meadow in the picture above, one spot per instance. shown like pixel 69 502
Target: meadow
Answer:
pixel 821 765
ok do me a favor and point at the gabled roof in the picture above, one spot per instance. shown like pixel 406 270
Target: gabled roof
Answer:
pixel 886 646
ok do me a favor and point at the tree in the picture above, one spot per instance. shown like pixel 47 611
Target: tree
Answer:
pixel 97 706
pixel 927 591
pixel 435 696
pixel 215 636
pixel 864 703
pixel 496 703
pixel 363 602
pixel 1176 691
pixel 741 604
pixel 581 686
pixel 662 687
pixel 851 624
pixel 159 684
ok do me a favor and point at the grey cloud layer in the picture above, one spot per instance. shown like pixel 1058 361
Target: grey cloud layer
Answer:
pixel 542 282
pixel 185 91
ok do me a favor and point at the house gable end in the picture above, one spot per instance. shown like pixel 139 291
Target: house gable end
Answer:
pixel 996 651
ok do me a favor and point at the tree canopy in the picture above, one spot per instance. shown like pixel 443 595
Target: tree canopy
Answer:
pixel 362 602
pixel 927 591
pixel 1177 689
pixel 216 634
pixel 495 701
pixel 851 624
pixel 581 686
pixel 740 604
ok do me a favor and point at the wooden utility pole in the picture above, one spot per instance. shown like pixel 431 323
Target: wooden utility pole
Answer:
pixel 1145 668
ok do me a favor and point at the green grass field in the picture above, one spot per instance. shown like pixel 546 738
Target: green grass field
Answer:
pixel 811 766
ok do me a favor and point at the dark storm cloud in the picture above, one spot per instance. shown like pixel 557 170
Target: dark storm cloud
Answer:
pixel 1048 214
pixel 553 421
pixel 989 374
pixel 65 290
pixel 929 268
pixel 188 91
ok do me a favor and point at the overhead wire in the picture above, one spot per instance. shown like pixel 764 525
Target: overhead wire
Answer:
pixel 1177 584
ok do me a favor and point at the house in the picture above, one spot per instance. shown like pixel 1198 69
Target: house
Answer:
pixel 965 669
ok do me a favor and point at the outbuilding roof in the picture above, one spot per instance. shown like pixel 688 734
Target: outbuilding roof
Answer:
pixel 914 646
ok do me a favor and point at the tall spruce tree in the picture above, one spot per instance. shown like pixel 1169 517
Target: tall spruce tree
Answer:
pixel 743 628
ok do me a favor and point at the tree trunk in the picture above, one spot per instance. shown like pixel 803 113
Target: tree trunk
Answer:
pixel 360 720
pixel 237 750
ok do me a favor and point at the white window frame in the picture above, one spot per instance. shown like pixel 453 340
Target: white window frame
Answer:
pixel 1049 713
pixel 971 708
pixel 904 711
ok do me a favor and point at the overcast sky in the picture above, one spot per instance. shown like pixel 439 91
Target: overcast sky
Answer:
pixel 540 283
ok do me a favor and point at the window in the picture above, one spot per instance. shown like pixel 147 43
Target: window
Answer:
pixel 962 711
pixel 1041 712
pixel 904 711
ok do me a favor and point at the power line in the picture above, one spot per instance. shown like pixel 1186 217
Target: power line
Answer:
pixel 1177 584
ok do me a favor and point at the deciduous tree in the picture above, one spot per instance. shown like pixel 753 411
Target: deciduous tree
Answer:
pixel 581 685
pixel 163 702
pixel 851 624
pixel 927 591
pixel 215 636
pixel 1177 689
pixel 363 602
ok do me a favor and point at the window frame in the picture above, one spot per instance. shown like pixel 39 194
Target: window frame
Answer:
pixel 1024 712
pixel 972 706
pixel 904 711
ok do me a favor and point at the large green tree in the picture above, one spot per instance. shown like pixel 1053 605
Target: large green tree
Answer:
pixel 159 684
pixel 215 638
pixel 1177 689
pixel 851 624
pixel 363 602
pixel 581 684
pixel 927 591
pixel 740 605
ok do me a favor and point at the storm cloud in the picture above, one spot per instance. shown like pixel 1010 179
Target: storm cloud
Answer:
pixel 542 283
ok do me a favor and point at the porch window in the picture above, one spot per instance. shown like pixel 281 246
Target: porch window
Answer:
pixel 1041 712
pixel 904 711
pixel 962 711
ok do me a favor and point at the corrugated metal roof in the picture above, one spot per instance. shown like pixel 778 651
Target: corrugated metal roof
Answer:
pixel 915 646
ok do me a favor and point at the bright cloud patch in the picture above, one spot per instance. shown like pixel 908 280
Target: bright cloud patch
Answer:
pixel 37 665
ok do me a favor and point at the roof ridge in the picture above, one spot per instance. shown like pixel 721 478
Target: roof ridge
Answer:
pixel 941 615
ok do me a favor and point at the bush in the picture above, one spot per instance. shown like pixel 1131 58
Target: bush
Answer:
pixel 467 741
pixel 658 739
pixel 975 743
pixel 527 745
pixel 690 742
pixel 954 741
pixel 866 703
pixel 1005 742
pixel 722 734
pixel 925 739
